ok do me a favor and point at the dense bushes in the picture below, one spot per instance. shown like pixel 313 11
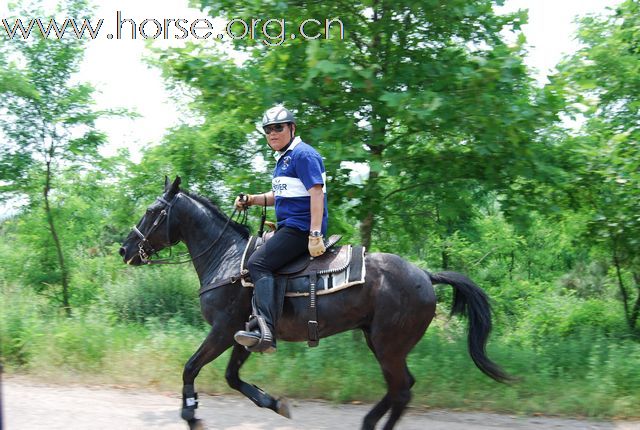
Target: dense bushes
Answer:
pixel 161 293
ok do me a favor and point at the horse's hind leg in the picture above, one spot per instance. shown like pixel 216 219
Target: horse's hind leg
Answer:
pixel 399 388
pixel 389 401
pixel 381 408
pixel 238 356
pixel 391 340
pixel 214 344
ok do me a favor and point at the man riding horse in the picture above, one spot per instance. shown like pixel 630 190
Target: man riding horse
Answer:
pixel 298 192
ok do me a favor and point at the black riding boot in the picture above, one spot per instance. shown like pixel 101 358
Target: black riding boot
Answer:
pixel 260 333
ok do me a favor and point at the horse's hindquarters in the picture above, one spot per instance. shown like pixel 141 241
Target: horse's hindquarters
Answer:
pixel 395 293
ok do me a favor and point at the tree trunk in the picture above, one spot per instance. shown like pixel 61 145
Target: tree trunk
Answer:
pixel 444 254
pixel 370 201
pixel 635 312
pixel 372 193
pixel 623 290
pixel 512 265
pixel 56 240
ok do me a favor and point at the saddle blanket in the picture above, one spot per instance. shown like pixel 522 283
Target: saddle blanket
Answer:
pixel 329 280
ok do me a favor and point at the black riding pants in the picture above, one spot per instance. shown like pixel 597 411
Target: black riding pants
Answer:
pixel 286 245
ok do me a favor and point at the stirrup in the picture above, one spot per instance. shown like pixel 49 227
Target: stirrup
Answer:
pixel 257 337
pixel 250 336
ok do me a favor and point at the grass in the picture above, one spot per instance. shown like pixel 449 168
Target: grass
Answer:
pixel 582 375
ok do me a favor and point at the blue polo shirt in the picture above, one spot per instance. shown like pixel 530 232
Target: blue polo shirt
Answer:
pixel 298 169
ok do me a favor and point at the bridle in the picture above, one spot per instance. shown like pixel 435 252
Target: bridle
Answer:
pixel 146 250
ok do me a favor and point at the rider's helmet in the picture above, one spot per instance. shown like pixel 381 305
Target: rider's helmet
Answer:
pixel 277 115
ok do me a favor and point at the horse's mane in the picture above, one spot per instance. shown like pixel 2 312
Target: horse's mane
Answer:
pixel 240 228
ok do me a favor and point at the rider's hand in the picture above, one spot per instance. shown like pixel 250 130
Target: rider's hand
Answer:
pixel 243 201
pixel 316 246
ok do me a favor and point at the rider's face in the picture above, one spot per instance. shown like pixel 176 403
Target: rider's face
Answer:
pixel 279 139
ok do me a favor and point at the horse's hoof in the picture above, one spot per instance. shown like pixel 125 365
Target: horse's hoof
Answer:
pixel 196 424
pixel 282 407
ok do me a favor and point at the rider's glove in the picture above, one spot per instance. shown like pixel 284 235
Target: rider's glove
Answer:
pixel 316 244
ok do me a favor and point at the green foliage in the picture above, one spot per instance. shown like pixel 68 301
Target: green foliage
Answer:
pixel 438 147
pixel 96 212
pixel 403 97
pixel 48 122
pixel 601 82
pixel 46 117
pixel 21 325
pixel 162 294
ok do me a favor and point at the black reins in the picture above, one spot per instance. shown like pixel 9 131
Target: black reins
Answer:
pixel 146 251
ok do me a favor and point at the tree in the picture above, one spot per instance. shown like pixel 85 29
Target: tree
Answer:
pixel 602 83
pixel 418 94
pixel 48 123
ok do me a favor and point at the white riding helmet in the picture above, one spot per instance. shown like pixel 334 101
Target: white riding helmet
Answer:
pixel 277 115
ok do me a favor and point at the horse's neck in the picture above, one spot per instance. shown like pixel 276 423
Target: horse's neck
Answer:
pixel 199 229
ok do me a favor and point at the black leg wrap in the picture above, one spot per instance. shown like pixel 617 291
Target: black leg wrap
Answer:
pixel 261 398
pixel 189 403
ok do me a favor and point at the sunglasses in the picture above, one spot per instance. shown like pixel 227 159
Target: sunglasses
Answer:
pixel 276 127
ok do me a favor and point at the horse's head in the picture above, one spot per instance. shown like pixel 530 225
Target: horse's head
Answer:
pixel 156 230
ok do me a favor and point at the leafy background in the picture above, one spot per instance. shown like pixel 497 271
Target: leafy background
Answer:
pixel 465 163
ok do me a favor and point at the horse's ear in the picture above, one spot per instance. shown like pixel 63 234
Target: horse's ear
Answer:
pixel 166 183
pixel 175 187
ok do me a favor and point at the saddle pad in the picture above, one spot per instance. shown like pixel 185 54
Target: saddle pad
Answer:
pixel 352 274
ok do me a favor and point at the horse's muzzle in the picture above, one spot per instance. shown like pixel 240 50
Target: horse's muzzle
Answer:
pixel 129 256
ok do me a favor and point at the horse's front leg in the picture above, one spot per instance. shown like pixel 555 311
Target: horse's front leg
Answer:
pixel 257 396
pixel 217 341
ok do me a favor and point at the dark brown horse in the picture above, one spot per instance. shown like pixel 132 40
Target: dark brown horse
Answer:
pixel 393 307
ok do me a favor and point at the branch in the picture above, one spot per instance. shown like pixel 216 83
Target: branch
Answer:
pixel 409 187
pixel 483 257
pixel 410 214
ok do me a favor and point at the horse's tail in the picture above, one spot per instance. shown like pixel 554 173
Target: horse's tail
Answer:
pixel 471 301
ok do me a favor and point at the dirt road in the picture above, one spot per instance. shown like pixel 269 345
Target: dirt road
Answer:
pixel 28 405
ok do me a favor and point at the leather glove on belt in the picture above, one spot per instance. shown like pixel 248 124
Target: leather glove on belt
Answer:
pixel 316 246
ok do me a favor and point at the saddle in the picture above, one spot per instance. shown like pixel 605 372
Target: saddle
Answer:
pixel 338 268
pixel 333 260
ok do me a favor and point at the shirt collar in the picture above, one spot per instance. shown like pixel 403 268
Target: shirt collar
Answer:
pixel 292 145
